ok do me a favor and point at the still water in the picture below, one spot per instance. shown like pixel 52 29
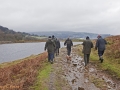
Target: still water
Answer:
pixel 11 52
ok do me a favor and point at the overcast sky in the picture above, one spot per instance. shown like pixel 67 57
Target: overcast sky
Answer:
pixel 94 16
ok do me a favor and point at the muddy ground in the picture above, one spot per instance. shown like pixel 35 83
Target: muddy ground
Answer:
pixel 73 75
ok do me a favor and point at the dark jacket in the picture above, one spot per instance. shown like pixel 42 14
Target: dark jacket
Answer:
pixel 69 43
pixel 50 46
pixel 54 40
pixel 57 44
pixel 100 44
pixel 87 45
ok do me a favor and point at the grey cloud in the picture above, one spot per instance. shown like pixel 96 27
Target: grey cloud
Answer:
pixel 96 16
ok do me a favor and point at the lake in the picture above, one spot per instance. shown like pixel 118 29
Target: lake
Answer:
pixel 15 51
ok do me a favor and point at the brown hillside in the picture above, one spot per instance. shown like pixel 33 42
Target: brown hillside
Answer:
pixel 113 47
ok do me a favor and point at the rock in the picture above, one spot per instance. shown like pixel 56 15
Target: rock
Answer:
pixel 73 81
pixel 108 81
pixel 114 85
pixel 108 87
pixel 75 64
pixel 86 80
pixel 80 88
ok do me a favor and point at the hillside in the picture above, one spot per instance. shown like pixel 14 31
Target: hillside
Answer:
pixel 66 34
pixel 113 48
pixel 8 36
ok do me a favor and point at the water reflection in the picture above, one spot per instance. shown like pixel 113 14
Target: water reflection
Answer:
pixel 10 52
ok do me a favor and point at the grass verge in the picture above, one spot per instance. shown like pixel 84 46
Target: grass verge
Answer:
pixel 110 65
pixel 42 78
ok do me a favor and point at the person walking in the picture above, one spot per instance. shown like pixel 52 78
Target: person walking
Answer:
pixel 57 46
pixel 87 45
pixel 100 45
pixel 54 40
pixel 69 43
pixel 50 46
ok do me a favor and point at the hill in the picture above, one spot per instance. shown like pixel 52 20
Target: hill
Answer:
pixel 66 34
pixel 8 36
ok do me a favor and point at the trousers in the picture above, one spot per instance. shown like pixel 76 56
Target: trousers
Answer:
pixel 100 53
pixel 68 51
pixel 50 56
pixel 86 58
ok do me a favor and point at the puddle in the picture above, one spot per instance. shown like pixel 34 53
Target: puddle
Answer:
pixel 79 77
pixel 109 82
pixel 74 74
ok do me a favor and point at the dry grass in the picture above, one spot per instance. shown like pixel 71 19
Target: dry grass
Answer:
pixel 22 74
pixel 113 47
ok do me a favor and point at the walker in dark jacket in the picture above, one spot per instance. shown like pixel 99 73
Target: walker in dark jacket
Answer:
pixel 50 46
pixel 100 45
pixel 57 46
pixel 54 40
pixel 87 45
pixel 69 44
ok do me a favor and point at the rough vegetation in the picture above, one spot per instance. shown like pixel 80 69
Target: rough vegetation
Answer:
pixel 113 48
pixel 22 75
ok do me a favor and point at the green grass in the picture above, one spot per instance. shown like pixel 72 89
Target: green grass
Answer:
pixel 42 78
pixel 97 81
pixel 110 64
pixel 111 67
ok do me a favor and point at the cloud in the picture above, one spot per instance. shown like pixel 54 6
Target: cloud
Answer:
pixel 95 16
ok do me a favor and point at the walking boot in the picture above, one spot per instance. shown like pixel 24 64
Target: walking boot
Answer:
pixel 51 61
pixel 48 60
pixel 101 59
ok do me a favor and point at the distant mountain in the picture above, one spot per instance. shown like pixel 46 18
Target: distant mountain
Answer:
pixel 7 34
pixel 66 34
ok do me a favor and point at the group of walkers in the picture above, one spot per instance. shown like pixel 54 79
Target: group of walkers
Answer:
pixel 100 46
pixel 53 44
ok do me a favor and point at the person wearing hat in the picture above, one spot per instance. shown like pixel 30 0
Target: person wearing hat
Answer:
pixel 50 45
pixel 100 45
pixel 87 45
